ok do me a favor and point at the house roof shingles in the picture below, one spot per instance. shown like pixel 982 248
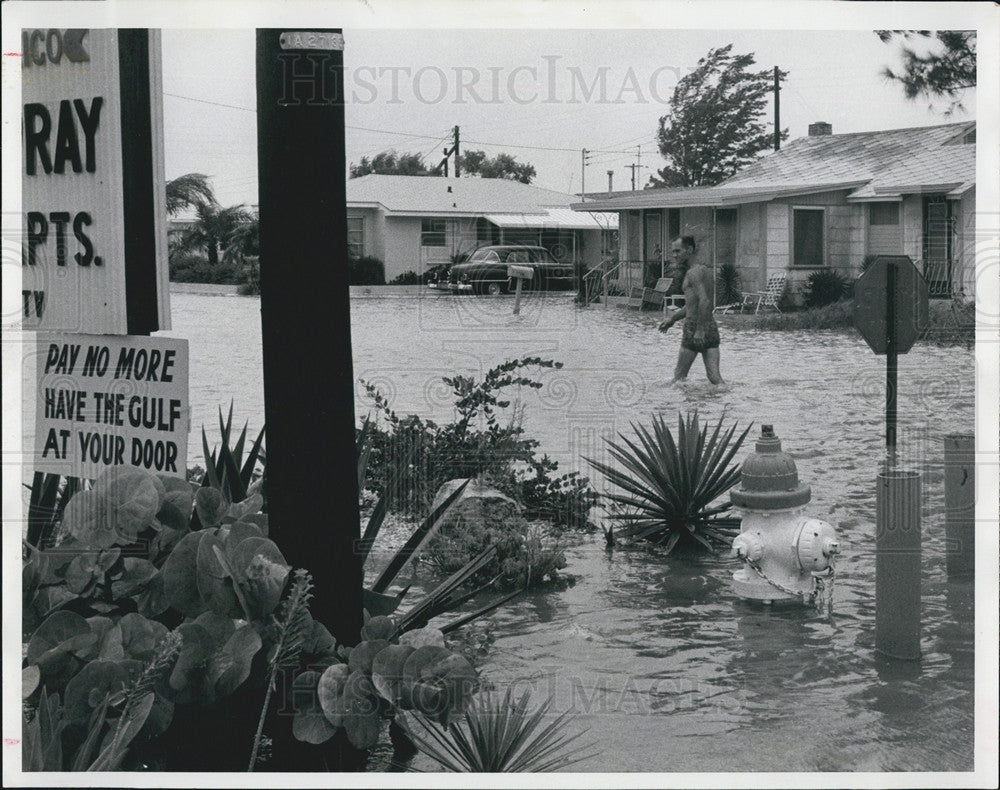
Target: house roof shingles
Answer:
pixel 875 164
pixel 436 196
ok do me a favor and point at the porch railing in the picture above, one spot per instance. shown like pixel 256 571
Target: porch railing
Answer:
pixel 610 278
pixel 937 275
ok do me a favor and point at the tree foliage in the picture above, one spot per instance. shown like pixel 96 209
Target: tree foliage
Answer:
pixel 473 163
pixel 217 228
pixel 715 124
pixel 233 231
pixel 188 191
pixel 390 163
pixel 500 166
pixel 942 64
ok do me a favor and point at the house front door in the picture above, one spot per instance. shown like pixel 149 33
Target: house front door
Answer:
pixel 938 237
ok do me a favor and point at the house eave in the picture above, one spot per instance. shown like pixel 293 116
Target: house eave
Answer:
pixel 720 195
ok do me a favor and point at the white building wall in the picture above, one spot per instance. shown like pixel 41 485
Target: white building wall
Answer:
pixel 402 246
pixel 778 245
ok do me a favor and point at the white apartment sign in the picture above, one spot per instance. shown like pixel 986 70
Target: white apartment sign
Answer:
pixel 94 247
pixel 105 400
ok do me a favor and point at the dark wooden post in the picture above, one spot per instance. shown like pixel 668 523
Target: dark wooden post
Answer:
pixel 312 483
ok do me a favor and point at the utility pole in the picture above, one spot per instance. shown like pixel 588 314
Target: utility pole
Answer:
pixel 448 152
pixel 583 175
pixel 638 162
pixel 633 167
pixel 777 111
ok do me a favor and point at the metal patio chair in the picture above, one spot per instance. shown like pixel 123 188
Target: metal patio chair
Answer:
pixel 769 296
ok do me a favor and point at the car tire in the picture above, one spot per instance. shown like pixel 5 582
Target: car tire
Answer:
pixel 494 288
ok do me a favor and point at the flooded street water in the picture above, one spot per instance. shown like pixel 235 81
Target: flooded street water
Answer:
pixel 668 670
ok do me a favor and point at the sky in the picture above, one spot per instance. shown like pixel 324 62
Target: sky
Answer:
pixel 540 95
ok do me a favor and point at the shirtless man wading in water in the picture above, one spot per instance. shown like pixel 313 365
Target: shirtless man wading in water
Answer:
pixel 701 334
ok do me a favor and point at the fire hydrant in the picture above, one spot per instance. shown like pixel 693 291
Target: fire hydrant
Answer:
pixel 786 555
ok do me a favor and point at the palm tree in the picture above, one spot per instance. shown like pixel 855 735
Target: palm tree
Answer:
pixel 189 191
pixel 215 228
pixel 244 239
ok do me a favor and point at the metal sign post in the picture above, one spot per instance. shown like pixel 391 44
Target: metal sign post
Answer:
pixel 890 311
pixel 891 368
pixel 519 273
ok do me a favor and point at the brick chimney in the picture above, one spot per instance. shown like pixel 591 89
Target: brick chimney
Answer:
pixel 820 128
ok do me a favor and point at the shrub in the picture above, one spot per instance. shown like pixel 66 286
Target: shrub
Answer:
pixel 189 267
pixel 478 445
pixel 824 287
pixel 366 270
pixel 251 286
pixel 500 736
pixel 670 485
pixel 164 599
pixel 406 278
pixel 787 302
pixel 526 555
pixel 727 285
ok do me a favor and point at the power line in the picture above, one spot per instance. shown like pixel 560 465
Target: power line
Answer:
pixel 410 134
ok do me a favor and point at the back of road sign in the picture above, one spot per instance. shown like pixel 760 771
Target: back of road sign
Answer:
pixel 870 313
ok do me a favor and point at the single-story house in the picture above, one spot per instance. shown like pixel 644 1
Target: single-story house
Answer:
pixel 824 200
pixel 413 223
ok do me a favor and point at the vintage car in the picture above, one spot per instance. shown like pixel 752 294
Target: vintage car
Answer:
pixel 486 271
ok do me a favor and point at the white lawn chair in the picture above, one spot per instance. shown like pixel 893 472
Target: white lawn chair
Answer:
pixel 769 296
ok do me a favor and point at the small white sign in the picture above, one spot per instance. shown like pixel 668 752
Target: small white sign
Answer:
pixel 330 42
pixel 107 400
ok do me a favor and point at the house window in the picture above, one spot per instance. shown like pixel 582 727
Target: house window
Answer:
pixel 432 233
pixel 356 237
pixel 883 213
pixel 807 237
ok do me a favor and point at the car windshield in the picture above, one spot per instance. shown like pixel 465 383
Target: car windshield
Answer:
pixel 513 255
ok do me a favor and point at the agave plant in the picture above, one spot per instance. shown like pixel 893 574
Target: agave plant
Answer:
pixel 499 736
pixel 670 485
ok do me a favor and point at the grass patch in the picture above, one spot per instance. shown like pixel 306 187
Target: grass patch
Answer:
pixel 951 321
pixel 839 315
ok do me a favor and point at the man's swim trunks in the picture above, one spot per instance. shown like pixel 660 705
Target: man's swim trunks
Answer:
pixel 711 336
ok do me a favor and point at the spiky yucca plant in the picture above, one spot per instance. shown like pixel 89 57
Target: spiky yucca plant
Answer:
pixel 499 736
pixel 670 485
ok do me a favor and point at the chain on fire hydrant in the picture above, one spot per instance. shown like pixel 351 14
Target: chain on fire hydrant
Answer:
pixel 786 555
